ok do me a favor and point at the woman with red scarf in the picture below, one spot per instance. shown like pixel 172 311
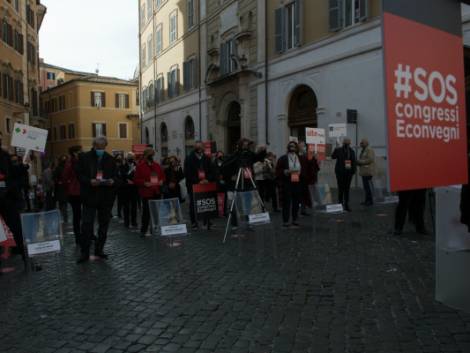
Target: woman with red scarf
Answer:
pixel 149 178
pixel 72 188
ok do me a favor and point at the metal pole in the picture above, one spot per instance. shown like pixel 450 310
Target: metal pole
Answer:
pixel 233 204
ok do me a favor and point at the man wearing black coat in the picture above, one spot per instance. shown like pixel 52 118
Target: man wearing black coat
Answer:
pixel 345 169
pixel 97 173
pixel 197 170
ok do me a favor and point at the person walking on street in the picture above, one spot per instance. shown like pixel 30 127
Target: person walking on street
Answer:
pixel 149 178
pixel 97 173
pixel 288 171
pixel 72 185
pixel 366 163
pixel 61 187
pixel 345 169
pixel 130 194
pixel 310 169
pixel 197 170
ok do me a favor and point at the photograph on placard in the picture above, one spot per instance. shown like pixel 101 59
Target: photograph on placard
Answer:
pixel 249 202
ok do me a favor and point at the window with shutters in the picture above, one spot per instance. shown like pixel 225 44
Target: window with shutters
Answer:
pixel 17 5
pixel 149 10
pixel 62 103
pixel 345 13
pixel 288 26
pixel 18 42
pixel 149 50
pixel 122 130
pixel 7 33
pixel 159 39
pixel 144 56
pixel 190 13
pixel 190 74
pixel 173 27
pixel 51 76
pixel 122 101
pixel 71 131
pixel 151 95
pixel 173 82
pixel 98 99
pixel 158 3
pixel 98 129
pixel 159 89
pixel 227 51
pixel 142 16
pixel 62 132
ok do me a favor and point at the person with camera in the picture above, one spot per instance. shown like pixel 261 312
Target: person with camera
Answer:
pixel 197 170
pixel 149 178
pixel 174 174
pixel 289 174
pixel 97 173
pixel 345 169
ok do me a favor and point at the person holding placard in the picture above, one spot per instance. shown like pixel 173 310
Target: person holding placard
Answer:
pixel 288 171
pixel 345 169
pixel 97 173
pixel 149 178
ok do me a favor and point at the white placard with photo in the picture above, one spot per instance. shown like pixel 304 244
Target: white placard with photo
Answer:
pixel 337 130
pixel 28 137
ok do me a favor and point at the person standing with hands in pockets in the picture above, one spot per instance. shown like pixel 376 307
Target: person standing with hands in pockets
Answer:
pixel 345 169
pixel 149 178
pixel 97 173
pixel 288 172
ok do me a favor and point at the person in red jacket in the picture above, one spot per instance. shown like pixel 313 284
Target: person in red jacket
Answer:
pixel 72 188
pixel 149 178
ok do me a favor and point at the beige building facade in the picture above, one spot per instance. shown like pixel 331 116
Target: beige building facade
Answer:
pixel 90 106
pixel 20 21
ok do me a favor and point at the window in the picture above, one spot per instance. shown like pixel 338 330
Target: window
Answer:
pixel 8 86
pixel 98 129
pixel 55 133
pixel 122 101
pixel 31 53
pixel 19 42
pixel 71 131
pixel 149 10
pixel 151 95
pixel 159 88
pixel 8 125
pixel 159 39
pixel 19 94
pixel 142 15
pixel 34 98
pixel 150 50
pixel 98 99
pixel 62 132
pixel 158 3
pixel 164 140
pixel 227 64
pixel 123 130
pixel 190 74
pixel 62 103
pixel 17 5
pixel 7 33
pixel 288 26
pixel 173 82
pixel 173 27
pixel 144 56
pixel 190 12
pixel 345 13
pixel 51 76
pixel 30 15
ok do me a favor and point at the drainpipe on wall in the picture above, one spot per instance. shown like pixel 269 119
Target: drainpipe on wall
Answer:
pixel 266 60
pixel 200 68
pixel 154 64
pixel 141 115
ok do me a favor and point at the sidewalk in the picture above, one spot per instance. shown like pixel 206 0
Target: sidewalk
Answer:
pixel 350 287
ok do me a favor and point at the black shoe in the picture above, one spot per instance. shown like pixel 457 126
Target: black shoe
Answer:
pixel 83 259
pixel 101 255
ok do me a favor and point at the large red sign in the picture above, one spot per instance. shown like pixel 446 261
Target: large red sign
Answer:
pixel 425 92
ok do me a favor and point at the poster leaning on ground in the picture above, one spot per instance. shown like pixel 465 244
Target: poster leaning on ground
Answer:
pixel 42 232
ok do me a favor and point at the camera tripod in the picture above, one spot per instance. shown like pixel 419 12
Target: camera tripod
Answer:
pixel 239 187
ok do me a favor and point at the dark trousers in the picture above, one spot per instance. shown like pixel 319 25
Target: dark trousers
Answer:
pixel 192 206
pixel 63 210
pixel 76 204
pixel 290 201
pixel 50 202
pixel 261 185
pixel 344 185
pixel 120 202
pixel 103 211
pixel 146 214
pixel 367 183
pixel 413 203
pixel 129 200
pixel 271 193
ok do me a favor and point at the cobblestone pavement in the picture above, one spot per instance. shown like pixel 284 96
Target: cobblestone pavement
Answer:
pixel 348 287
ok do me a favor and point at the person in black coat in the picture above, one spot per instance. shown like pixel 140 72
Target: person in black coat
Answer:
pixel 174 174
pixel 129 191
pixel 197 170
pixel 97 173
pixel 465 201
pixel 345 169
pixel 289 175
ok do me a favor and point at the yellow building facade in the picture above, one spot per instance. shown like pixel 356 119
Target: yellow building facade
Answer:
pixel 86 107
pixel 20 21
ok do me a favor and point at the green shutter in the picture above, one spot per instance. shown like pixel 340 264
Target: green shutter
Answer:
pixel 336 14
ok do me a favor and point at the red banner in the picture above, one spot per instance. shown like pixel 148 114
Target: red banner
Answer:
pixel 426 117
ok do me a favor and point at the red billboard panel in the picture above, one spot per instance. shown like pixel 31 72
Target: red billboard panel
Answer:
pixel 425 93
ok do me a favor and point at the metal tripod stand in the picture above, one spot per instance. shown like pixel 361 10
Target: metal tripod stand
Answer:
pixel 240 182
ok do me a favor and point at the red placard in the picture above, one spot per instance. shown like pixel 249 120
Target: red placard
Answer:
pixel 202 188
pixel 425 92
pixel 139 149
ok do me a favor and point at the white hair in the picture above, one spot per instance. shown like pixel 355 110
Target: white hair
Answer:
pixel 100 140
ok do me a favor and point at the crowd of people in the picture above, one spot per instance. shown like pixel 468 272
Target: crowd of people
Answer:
pixel 93 182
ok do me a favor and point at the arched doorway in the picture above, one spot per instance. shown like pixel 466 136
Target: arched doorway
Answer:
pixel 164 140
pixel 188 135
pixel 302 111
pixel 233 126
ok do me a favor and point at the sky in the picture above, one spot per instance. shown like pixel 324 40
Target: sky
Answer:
pixel 86 34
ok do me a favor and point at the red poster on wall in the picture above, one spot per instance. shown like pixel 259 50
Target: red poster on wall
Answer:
pixel 425 93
